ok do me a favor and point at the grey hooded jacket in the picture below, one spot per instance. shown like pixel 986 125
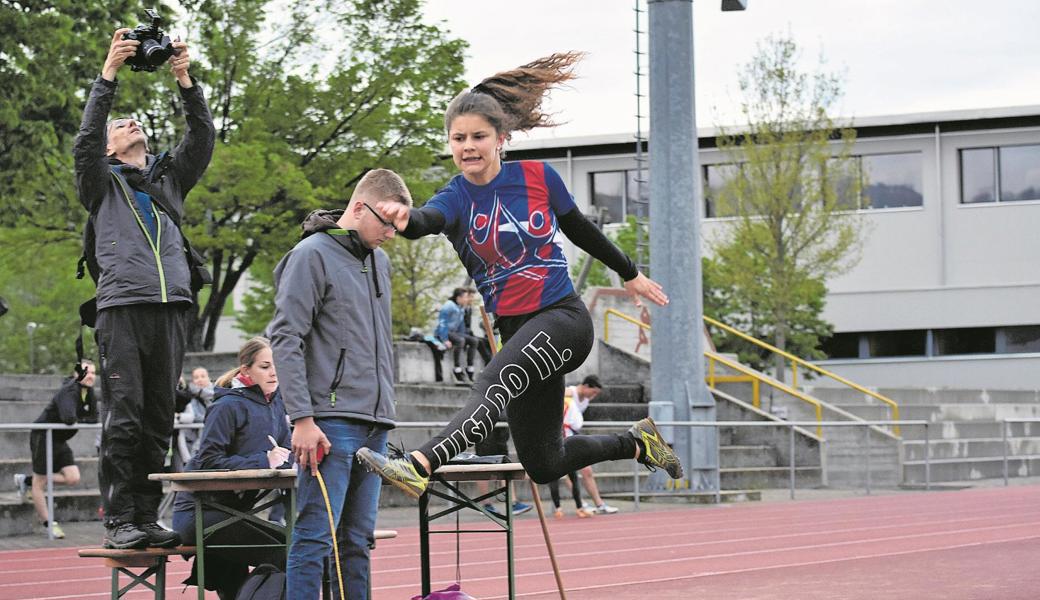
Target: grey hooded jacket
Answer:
pixel 330 334
pixel 134 268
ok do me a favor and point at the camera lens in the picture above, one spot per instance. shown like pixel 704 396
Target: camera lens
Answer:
pixel 154 53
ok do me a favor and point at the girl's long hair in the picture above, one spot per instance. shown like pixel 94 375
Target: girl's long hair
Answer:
pixel 512 100
pixel 246 357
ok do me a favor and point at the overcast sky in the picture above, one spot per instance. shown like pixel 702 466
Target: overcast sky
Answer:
pixel 896 56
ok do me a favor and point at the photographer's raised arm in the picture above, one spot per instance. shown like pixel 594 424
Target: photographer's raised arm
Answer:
pixel 193 153
pixel 89 148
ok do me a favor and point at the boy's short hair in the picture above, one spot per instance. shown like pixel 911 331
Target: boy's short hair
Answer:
pixel 592 381
pixel 383 184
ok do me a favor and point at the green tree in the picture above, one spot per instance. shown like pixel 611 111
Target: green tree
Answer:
pixel 294 133
pixel 789 193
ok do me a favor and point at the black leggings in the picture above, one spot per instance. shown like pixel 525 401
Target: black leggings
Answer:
pixel 554 490
pixel 527 375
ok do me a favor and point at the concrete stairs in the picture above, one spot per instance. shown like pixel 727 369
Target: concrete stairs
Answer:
pixel 964 437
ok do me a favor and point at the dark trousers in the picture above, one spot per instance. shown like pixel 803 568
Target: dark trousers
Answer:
pixel 141 348
pixel 527 375
pixel 460 342
pixel 554 490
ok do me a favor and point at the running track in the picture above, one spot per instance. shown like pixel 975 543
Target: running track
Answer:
pixel 974 544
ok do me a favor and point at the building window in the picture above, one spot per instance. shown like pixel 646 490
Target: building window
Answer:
pixel 617 191
pixel 892 180
pixel 896 343
pixel 715 178
pixel 1024 338
pixel 841 345
pixel 1002 174
pixel 965 340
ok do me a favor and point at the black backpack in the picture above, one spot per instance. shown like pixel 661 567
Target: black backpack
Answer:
pixel 266 582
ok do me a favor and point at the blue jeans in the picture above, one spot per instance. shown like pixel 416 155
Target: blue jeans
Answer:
pixel 354 496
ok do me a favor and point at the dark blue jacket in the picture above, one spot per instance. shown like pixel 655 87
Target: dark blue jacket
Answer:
pixel 235 437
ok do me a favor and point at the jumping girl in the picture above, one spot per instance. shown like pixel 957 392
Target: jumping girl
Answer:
pixel 503 219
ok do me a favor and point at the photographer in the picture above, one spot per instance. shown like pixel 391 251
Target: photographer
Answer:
pixel 136 201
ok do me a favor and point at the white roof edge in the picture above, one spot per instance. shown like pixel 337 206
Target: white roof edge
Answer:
pixel 868 121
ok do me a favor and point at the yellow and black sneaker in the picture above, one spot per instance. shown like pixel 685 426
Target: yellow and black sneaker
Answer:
pixel 655 453
pixel 399 472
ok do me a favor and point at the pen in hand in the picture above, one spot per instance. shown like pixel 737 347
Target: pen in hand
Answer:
pixel 277 455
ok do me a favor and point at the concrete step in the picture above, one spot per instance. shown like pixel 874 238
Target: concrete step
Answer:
pixel 907 397
pixel 953 429
pixel 748 456
pixel 621 413
pixel 15 444
pixel 914 450
pixel 948 412
pixel 971 469
pixel 21 411
pixel 17 516
pixel 88 472
pixel 622 394
pixel 760 478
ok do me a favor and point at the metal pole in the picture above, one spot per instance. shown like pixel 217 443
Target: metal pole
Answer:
pixel 790 429
pixel 867 429
pixel 677 376
pixel 1004 436
pixel 635 484
pixel 927 459
pixel 49 439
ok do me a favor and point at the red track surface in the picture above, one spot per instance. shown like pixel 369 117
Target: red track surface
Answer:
pixel 973 544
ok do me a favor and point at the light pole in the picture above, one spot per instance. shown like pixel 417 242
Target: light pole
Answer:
pixel 30 328
pixel 678 391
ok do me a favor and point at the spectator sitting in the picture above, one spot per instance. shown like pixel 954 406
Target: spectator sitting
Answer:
pixel 196 397
pixel 74 402
pixel 451 331
pixel 247 408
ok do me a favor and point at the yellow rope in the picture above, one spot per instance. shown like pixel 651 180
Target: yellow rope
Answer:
pixel 332 529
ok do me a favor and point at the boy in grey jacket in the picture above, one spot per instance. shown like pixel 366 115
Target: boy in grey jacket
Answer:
pixel 143 287
pixel 331 338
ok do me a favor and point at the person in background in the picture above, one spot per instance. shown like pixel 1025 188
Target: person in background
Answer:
pixel 247 412
pixel 451 331
pixel 74 403
pixel 572 422
pixel 582 394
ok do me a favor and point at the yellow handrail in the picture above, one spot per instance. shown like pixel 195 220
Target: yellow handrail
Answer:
pixel 756 377
pixel 795 361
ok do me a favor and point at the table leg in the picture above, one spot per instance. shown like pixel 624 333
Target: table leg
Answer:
pixel 509 540
pixel 200 549
pixel 424 542
pixel 160 578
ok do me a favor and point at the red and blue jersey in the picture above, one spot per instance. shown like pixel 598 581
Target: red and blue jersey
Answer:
pixel 505 233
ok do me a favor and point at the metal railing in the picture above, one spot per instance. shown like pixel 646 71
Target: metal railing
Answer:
pixel 795 362
pixel 48 429
pixel 1005 437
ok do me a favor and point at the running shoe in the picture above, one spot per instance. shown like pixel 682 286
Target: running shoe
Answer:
pixel 605 509
pixel 656 453
pixel 520 508
pixel 59 533
pixel 490 509
pixel 398 472
pixel 583 514
pixel 558 513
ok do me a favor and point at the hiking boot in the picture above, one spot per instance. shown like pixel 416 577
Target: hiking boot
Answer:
pixel 655 452
pixel 159 536
pixel 124 536
pixel 520 508
pixel 22 482
pixel 605 509
pixel 398 472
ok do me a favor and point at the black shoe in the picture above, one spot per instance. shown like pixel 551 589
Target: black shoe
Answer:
pixel 471 374
pixel 124 536
pixel 459 377
pixel 159 536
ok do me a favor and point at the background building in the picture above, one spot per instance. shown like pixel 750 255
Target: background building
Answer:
pixel 947 292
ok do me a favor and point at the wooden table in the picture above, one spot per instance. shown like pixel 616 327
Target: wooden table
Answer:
pixel 447 476
pixel 201 482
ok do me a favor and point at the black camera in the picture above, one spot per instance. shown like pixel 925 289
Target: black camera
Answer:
pixel 156 47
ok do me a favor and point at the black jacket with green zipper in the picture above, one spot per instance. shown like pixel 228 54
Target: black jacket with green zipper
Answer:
pixel 134 267
pixel 331 334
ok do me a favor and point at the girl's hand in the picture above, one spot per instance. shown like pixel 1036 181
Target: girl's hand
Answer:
pixel 641 285
pixel 394 212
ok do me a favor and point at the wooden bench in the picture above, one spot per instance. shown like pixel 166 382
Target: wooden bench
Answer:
pixel 152 560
